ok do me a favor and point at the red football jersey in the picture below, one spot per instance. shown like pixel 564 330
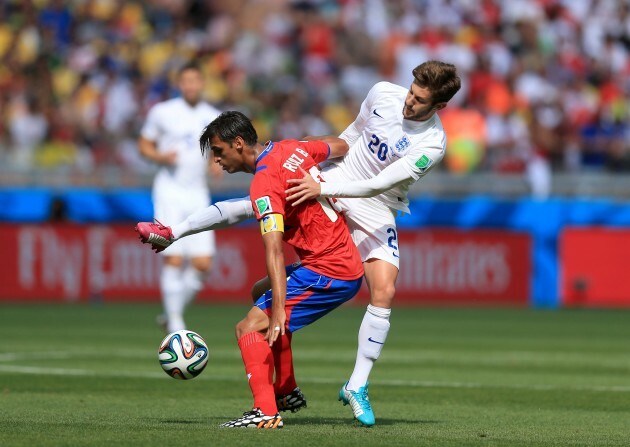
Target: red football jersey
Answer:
pixel 318 233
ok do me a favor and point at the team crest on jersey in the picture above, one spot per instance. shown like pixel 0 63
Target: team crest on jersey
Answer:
pixel 402 144
pixel 264 205
pixel 423 163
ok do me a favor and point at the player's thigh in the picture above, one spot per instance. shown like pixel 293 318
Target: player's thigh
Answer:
pixel 310 296
pixel 373 230
pixel 263 285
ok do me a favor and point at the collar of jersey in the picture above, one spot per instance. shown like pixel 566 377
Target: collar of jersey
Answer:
pixel 419 125
pixel 265 152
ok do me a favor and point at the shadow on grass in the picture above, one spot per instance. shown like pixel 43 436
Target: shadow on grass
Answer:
pixel 345 421
pixel 304 421
pixel 182 421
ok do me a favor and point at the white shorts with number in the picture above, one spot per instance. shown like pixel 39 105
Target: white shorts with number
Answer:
pixel 171 207
pixel 373 229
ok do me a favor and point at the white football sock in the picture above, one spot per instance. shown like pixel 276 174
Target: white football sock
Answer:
pixel 216 216
pixel 372 337
pixel 194 281
pixel 173 297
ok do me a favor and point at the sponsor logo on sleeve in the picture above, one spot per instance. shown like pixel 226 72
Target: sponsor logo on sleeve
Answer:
pixel 423 163
pixel 263 205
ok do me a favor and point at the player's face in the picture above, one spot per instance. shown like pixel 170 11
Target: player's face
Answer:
pixel 418 104
pixel 226 155
pixel 191 85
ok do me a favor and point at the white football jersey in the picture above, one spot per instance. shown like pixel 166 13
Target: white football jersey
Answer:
pixel 380 136
pixel 176 126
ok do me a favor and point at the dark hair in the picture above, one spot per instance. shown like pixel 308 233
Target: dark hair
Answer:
pixel 227 127
pixel 192 65
pixel 440 78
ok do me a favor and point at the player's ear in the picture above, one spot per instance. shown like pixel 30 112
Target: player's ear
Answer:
pixel 439 106
pixel 239 144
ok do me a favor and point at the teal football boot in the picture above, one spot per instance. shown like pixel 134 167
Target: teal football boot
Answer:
pixel 360 403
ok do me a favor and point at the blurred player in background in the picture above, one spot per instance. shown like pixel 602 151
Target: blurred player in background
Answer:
pixel 396 139
pixel 330 272
pixel 170 138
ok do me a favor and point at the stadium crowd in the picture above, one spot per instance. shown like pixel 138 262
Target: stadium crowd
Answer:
pixel 545 82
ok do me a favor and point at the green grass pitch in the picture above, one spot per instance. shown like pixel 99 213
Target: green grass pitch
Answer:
pixel 83 375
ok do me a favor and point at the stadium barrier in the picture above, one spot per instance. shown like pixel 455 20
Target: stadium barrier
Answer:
pixel 541 223
pixel 596 263
pixel 70 262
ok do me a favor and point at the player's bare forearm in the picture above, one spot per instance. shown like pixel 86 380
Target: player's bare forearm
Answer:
pixel 302 189
pixel 148 150
pixel 274 256
pixel 338 147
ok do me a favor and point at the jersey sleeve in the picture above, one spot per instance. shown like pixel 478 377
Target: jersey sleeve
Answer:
pixel 267 193
pixel 420 161
pixel 353 131
pixel 151 128
pixel 390 177
pixel 318 150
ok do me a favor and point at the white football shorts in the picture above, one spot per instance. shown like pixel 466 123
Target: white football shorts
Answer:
pixel 372 226
pixel 172 207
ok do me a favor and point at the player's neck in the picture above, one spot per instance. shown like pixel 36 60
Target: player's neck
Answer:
pixel 421 119
pixel 192 103
pixel 251 156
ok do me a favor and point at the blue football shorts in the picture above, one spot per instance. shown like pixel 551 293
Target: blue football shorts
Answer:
pixel 310 296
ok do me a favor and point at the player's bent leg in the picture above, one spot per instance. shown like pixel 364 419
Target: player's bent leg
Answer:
pixel 259 367
pixel 381 277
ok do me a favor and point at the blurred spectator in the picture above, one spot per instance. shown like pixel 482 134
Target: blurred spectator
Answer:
pixel 546 83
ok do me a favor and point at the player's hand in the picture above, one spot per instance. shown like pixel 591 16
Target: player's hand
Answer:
pixel 305 188
pixel 168 158
pixel 276 328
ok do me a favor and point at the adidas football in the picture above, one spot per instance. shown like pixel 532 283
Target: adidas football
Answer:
pixel 183 354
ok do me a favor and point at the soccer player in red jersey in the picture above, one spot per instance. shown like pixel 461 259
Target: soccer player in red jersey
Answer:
pixel 330 272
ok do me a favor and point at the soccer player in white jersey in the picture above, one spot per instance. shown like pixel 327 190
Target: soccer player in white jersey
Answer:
pixel 170 138
pixel 395 140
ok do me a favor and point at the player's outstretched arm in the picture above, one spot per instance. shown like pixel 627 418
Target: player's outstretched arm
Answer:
pixel 274 256
pixel 338 147
pixel 395 174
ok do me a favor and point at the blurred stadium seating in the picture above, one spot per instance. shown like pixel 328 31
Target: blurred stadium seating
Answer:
pixel 545 82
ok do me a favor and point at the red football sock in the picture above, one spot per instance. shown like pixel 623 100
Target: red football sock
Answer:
pixel 258 361
pixel 283 362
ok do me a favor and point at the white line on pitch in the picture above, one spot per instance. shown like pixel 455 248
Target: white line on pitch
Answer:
pixel 318 380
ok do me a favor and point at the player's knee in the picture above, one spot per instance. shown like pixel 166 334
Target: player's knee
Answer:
pixel 173 261
pixel 241 328
pixel 383 296
pixel 253 322
pixel 203 265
